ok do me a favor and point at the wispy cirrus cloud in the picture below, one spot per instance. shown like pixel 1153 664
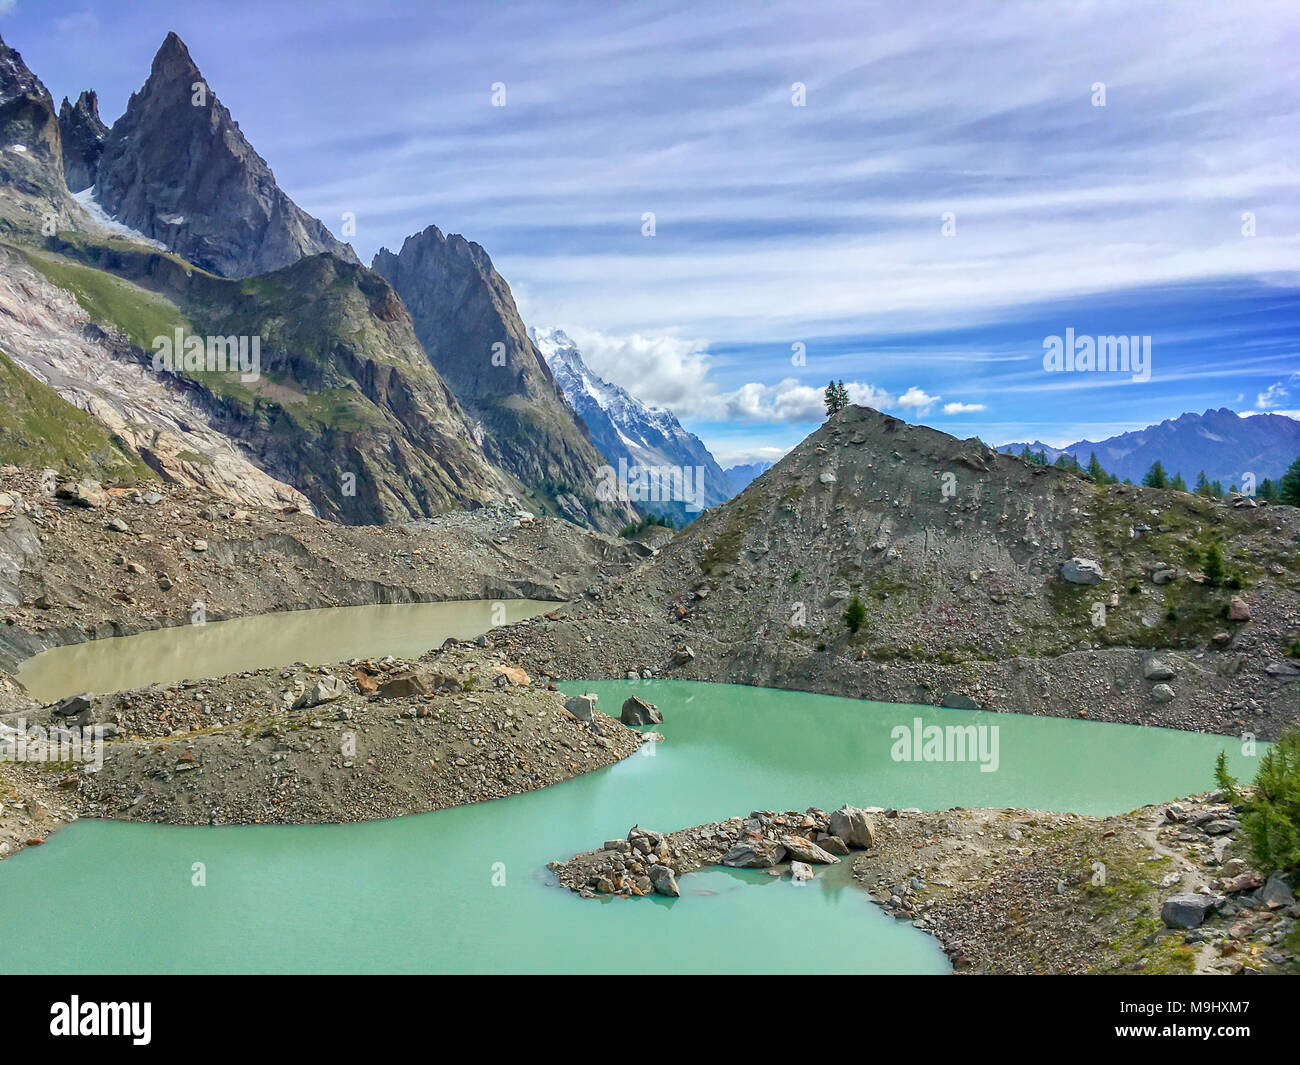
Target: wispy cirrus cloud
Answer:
pixel 778 223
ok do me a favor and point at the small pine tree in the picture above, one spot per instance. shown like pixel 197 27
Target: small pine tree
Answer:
pixel 1202 484
pixel 1266 491
pixel 1288 489
pixel 1272 814
pixel 1216 489
pixel 1178 484
pixel 832 399
pixel 855 614
pixel 1215 567
pixel 1156 476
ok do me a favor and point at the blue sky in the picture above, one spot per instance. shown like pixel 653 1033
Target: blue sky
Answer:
pixel 779 225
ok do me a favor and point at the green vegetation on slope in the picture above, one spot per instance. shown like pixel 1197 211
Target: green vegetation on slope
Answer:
pixel 40 428
pixel 138 314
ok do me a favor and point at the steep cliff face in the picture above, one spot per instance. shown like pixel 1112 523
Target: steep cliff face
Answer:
pixel 176 167
pixel 466 319
pixel 83 134
pixel 33 196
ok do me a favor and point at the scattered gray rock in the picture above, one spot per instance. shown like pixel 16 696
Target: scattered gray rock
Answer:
pixel 1188 910
pixel 663 880
pixel 1081 571
pixel 1156 669
pixel 583 707
pixel 636 711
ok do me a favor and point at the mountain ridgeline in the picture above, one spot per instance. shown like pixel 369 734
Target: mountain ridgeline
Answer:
pixel 1222 444
pixel 177 168
pixel 980 580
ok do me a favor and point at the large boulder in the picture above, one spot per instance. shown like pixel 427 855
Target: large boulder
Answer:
pixel 1081 571
pixel 322 690
pixel 583 707
pixel 75 705
pixel 1276 893
pixel 755 854
pixel 402 686
pixel 853 826
pixel 1188 910
pixel 636 711
pixel 663 880
pixel 1156 669
pixel 805 850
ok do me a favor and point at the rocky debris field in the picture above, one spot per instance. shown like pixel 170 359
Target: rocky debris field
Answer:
pixel 1023 891
pixel 649 862
pixel 350 742
pixel 1164 889
pixel 29 808
pixel 82 561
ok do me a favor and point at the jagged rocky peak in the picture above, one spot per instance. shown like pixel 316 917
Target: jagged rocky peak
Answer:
pixel 32 193
pixel 435 273
pixel 83 134
pixel 176 167
pixel 467 322
pixel 27 122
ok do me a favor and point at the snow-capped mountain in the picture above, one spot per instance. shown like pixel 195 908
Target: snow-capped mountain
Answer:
pixel 622 427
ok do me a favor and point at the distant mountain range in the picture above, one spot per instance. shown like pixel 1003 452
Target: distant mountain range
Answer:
pixel 1220 442
pixel 741 476
pixel 623 427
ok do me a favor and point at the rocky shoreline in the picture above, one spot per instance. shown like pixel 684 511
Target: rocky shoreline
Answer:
pixel 1169 888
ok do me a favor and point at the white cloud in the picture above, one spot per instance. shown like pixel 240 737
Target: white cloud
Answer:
pixel 1272 396
pixel 1276 394
pixel 962 408
pixel 664 371
pixel 7 6
pixel 918 400
pixel 668 371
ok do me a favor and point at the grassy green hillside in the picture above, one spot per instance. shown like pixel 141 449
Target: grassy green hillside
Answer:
pixel 40 428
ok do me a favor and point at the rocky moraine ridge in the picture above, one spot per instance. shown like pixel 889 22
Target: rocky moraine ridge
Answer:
pixel 987 582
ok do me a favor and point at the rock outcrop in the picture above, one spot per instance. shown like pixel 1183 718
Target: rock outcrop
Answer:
pixel 33 196
pixel 176 168
pixel 83 134
pixel 467 321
